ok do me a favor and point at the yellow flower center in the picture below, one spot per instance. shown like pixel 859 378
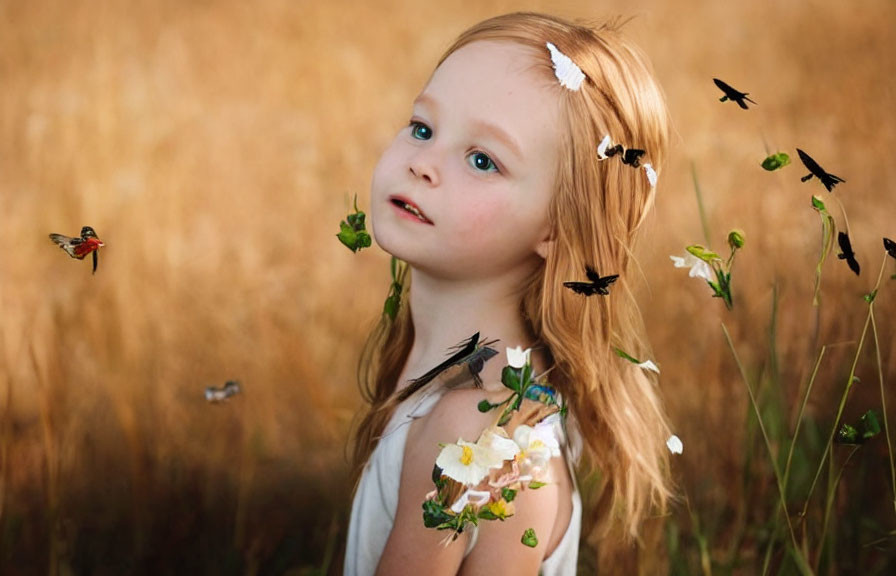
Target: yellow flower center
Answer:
pixel 498 508
pixel 467 457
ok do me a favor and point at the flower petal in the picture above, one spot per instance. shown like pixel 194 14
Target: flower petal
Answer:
pixel 674 444
pixel 517 357
pixel 649 365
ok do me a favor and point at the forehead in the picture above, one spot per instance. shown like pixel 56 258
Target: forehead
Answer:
pixel 502 83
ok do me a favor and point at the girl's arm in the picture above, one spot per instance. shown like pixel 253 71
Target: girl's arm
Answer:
pixel 415 549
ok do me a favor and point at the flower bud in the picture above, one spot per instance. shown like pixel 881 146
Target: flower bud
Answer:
pixel 736 239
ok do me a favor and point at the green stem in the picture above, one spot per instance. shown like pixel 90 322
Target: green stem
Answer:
pixel 883 398
pixel 768 444
pixel 845 395
pixel 703 221
pixel 829 502
pixel 799 419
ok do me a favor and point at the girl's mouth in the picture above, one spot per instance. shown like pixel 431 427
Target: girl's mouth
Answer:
pixel 410 209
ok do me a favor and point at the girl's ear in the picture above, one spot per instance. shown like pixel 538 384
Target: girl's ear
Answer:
pixel 544 247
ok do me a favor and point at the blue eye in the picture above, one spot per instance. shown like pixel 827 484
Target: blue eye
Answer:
pixel 481 161
pixel 420 131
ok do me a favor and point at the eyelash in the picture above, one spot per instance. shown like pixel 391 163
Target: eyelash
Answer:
pixel 491 166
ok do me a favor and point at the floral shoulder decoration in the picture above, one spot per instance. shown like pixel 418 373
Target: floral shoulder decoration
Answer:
pixel 479 480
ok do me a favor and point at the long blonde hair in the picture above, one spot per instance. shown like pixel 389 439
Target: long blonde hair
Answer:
pixel 595 213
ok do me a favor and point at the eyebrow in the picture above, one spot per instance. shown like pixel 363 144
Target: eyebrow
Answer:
pixel 480 127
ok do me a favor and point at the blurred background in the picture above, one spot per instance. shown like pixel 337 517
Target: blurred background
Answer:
pixel 215 145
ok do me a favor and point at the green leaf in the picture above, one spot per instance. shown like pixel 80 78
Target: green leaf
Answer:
pixel 869 298
pixel 508 494
pixel 870 425
pixel 622 354
pixel 393 300
pixel 847 435
pixel 485 406
pixel 535 484
pixel 352 231
pixel 434 515
pixel 529 538
pixel 702 253
pixel 510 377
pixel 776 161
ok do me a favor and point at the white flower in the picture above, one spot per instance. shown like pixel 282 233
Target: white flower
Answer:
pixel 499 445
pixel 674 444
pixel 537 444
pixel 477 498
pixel 649 365
pixel 517 357
pixel 699 268
pixel 469 463
pixel 566 71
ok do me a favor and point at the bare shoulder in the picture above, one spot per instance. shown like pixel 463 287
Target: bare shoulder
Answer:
pixel 456 415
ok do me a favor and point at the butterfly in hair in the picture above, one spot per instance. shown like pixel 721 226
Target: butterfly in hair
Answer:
pixel 846 252
pixel 471 353
pixel 629 156
pixel 597 284
pixel 828 179
pixel 731 94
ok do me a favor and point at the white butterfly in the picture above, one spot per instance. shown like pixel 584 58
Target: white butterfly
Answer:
pixel 569 75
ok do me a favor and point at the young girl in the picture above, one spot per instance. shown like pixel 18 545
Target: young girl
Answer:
pixel 531 154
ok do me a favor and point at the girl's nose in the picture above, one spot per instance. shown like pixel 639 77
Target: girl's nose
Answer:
pixel 423 167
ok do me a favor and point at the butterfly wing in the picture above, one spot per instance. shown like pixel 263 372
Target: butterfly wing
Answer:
pixel 890 247
pixel 847 252
pixel 603 284
pixel 586 288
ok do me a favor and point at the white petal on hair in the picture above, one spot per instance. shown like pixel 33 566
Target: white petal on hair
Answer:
pixel 649 365
pixel 651 174
pixel 674 444
pixel 569 75
pixel 602 147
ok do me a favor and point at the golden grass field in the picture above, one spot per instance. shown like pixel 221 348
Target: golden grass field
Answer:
pixel 215 145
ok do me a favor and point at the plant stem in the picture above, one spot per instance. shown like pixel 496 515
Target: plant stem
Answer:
pixel 883 398
pixel 829 502
pixel 703 222
pixel 768 444
pixel 845 395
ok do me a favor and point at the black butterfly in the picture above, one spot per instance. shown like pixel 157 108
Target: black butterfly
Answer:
pixel 847 253
pixel 732 94
pixel 890 247
pixel 632 156
pixel 829 180
pixel 470 353
pixel 597 284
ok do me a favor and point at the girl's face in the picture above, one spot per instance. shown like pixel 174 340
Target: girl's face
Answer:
pixel 464 190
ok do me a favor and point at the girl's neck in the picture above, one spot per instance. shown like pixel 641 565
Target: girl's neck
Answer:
pixel 448 312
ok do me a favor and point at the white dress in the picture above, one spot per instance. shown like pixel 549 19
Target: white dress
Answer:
pixel 376 500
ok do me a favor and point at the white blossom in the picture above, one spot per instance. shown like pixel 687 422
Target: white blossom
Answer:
pixel 699 268
pixel 517 357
